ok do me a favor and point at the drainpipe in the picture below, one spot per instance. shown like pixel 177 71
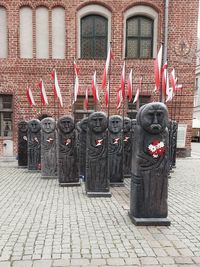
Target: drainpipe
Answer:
pixel 166 15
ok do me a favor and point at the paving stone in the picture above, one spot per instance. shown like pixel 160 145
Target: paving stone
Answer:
pixel 149 261
pixel 116 262
pixel 60 263
pixel 183 260
pixel 81 262
pixel 42 263
pixel 5 264
pixel 23 263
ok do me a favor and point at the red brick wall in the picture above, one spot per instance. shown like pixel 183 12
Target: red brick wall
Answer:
pixel 16 73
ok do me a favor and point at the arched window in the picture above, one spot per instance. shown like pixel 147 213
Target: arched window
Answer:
pixel 139 37
pixel 3 33
pixel 94 36
pixel 140 32
pixel 58 32
pixel 42 32
pixel 26 32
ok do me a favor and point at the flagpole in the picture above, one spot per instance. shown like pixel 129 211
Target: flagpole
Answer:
pixel 73 93
pixel 123 109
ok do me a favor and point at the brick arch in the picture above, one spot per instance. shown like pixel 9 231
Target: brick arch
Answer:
pixel 142 3
pixel 58 5
pixel 100 3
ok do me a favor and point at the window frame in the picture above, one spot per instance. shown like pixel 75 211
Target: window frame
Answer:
pixel 89 10
pixel 5 110
pixel 94 36
pixel 139 38
pixel 145 11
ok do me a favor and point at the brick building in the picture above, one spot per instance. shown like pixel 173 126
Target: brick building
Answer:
pixel 36 36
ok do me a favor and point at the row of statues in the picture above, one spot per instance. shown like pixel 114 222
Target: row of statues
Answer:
pixel 103 152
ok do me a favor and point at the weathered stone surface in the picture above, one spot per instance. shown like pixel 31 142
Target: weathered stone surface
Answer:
pixel 48 148
pixel 22 144
pixel 96 166
pixel 82 134
pixel 34 144
pixel 149 185
pixel 127 138
pixel 115 148
pixel 67 152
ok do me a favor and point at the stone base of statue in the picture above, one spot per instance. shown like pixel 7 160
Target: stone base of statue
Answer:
pixel 49 177
pixel 117 184
pixel 70 184
pixel 22 167
pixel 127 175
pixel 149 221
pixel 99 194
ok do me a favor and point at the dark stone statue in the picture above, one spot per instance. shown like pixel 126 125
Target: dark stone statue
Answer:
pixel 127 137
pixel 82 147
pixel 115 148
pixel 34 145
pixel 67 152
pixel 23 144
pixel 149 184
pixel 97 182
pixel 48 148
pixel 174 142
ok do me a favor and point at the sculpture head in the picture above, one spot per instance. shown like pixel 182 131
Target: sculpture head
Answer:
pixel 66 124
pixel 23 126
pixel 115 124
pixel 48 125
pixel 34 125
pixel 153 117
pixel 97 122
pixel 83 124
pixel 127 124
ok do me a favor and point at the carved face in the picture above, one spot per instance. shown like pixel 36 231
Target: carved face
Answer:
pixel 127 125
pixel 48 125
pixel 115 124
pixel 83 124
pixel 34 125
pixel 97 122
pixel 66 124
pixel 154 118
pixel 23 126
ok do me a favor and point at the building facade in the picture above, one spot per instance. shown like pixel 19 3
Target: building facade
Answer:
pixel 37 36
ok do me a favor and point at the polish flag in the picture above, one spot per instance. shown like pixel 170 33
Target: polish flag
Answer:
pixel 56 87
pixel 107 94
pixel 164 78
pixel 130 85
pixel 43 93
pixel 122 82
pixel 30 97
pixel 86 99
pixel 138 91
pixel 157 68
pixel 119 98
pixel 95 91
pixel 76 83
pixel 105 72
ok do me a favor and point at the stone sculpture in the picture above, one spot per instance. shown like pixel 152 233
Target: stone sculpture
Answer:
pixel 82 147
pixel 22 144
pixel 127 138
pixel 34 145
pixel 97 182
pixel 115 148
pixel 149 184
pixel 67 152
pixel 48 148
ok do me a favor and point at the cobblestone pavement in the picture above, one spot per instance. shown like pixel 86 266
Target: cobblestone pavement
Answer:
pixel 44 225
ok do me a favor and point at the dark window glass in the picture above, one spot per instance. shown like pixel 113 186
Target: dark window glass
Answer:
pixel 94 37
pixel 5 115
pixel 139 37
pixel 132 108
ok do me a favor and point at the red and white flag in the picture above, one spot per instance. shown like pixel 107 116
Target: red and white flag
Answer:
pixel 157 69
pixel 164 78
pixel 138 91
pixel 76 83
pixel 43 93
pixel 122 81
pixel 107 94
pixel 174 86
pixel 130 85
pixel 86 99
pixel 30 97
pixel 95 91
pixel 56 87
pixel 106 68
pixel 119 98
